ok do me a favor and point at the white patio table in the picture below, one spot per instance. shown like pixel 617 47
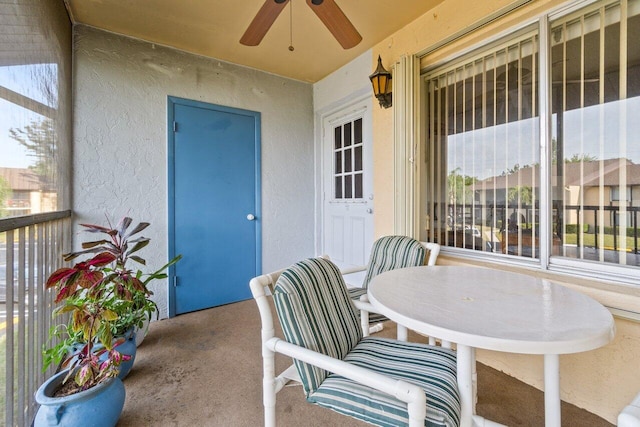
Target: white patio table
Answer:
pixel 497 310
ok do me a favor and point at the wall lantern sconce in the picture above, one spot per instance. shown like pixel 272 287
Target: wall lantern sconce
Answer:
pixel 381 81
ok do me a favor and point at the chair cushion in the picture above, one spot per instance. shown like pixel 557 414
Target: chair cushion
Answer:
pixel 391 252
pixel 315 312
pixel 432 368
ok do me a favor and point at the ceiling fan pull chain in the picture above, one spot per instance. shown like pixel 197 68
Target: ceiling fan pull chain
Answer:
pixel 291 26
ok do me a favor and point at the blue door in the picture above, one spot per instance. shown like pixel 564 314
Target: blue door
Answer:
pixel 214 203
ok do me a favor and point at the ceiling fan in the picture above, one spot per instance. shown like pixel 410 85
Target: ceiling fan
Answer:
pixel 327 10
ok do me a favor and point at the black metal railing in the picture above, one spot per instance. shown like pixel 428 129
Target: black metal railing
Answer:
pixel 513 228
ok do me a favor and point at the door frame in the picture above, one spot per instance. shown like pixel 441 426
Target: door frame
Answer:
pixel 344 104
pixel 171 101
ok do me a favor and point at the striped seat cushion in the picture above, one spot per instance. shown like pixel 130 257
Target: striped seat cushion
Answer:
pixel 315 312
pixel 432 368
pixel 391 252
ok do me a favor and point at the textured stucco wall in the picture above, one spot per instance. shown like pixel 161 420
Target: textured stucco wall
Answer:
pixel 120 140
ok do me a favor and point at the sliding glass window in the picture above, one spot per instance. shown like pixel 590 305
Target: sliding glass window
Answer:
pixel 482 155
pixel 595 98
pixel 482 189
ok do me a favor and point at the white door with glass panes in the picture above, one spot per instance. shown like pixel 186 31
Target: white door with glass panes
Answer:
pixel 348 188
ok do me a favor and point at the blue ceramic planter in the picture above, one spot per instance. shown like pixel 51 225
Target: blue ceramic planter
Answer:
pixel 100 406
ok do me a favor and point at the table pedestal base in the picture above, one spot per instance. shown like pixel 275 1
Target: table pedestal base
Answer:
pixel 465 384
pixel 551 390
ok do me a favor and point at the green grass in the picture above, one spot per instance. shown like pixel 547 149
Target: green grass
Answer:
pixel 590 240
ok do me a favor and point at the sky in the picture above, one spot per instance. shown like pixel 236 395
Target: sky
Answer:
pixel 13 155
pixel 593 131
pixel 21 79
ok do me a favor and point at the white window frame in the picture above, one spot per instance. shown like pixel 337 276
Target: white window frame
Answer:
pixel 627 275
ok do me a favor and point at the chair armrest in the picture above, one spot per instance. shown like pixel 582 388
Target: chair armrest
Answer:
pixel 434 250
pixel 402 390
pixel 364 304
pixel 355 269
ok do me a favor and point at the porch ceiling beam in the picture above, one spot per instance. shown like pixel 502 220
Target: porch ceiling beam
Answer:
pixel 26 102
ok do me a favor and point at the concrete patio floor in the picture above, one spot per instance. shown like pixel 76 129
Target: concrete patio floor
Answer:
pixel 204 369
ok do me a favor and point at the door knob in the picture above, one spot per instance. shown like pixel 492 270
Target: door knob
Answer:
pixel 369 210
pixel 251 217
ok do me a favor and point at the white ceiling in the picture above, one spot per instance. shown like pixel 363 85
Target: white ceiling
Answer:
pixel 213 28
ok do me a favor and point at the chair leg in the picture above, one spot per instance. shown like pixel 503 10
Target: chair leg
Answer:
pixel 376 328
pixel 269 387
pixel 364 322
pixel 417 412
pixel 474 378
pixel 403 334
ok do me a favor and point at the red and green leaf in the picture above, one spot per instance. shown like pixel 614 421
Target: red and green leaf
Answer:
pixel 60 275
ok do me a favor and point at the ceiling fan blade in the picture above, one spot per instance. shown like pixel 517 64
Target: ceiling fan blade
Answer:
pixel 262 22
pixel 335 20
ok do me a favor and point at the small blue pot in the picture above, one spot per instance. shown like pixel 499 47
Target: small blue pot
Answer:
pixel 99 406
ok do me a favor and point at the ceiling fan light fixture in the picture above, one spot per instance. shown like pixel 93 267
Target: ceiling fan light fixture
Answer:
pixel 381 82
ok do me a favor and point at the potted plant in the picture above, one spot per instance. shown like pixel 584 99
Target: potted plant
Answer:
pixel 104 298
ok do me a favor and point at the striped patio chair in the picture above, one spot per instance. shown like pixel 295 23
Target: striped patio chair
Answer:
pixel 381 381
pixel 389 253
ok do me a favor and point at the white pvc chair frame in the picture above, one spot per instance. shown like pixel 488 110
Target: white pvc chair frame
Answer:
pixel 630 415
pixel 402 333
pixel 411 394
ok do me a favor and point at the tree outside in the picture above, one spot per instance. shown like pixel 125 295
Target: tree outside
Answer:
pixel 5 192
pixel 520 193
pixel 457 184
pixel 39 138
